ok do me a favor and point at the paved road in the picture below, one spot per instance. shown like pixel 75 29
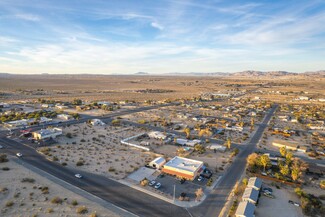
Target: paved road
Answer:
pixel 120 195
pixel 214 202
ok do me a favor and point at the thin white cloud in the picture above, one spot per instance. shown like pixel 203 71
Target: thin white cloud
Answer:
pixel 157 26
pixel 28 17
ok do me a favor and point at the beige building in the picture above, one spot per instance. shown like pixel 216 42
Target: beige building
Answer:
pixel 183 167
pixel 294 146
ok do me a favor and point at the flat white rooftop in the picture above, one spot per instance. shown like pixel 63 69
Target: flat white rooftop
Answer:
pixel 181 163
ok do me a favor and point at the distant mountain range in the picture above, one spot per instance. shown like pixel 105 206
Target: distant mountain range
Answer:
pixel 248 73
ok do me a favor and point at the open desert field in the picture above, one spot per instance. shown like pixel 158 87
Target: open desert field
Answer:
pixel 145 87
pixel 25 193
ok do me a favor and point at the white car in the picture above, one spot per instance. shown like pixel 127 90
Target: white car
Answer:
pixel 157 186
pixel 19 154
pixel 200 178
pixel 153 182
pixel 78 176
pixel 1 146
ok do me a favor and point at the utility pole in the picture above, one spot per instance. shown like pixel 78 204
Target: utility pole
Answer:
pixel 174 193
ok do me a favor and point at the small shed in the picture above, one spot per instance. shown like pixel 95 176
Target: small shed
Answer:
pixel 157 163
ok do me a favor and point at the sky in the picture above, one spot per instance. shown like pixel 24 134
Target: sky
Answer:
pixel 161 36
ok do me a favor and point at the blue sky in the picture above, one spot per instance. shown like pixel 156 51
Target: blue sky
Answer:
pixel 161 36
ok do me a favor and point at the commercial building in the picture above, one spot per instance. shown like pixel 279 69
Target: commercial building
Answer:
pixel 47 133
pixel 183 167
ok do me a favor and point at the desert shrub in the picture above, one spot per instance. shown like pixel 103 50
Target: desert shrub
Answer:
pixel 2 190
pixel 64 164
pixel 69 135
pixel 74 203
pixel 3 158
pixel 93 214
pixel 45 190
pixel 80 163
pixel 55 158
pixel 5 168
pixel 30 180
pixel 56 200
pixel 81 210
pixel 111 169
pixel 50 210
pixel 9 203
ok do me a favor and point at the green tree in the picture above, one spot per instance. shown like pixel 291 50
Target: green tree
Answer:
pixel 252 160
pixel 187 131
pixel 265 161
pixel 289 157
pixel 284 170
pixel 228 143
pixel 283 151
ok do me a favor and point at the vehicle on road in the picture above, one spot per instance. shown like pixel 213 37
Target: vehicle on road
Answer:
pixel 78 176
pixel 157 186
pixel 19 154
pixel 152 183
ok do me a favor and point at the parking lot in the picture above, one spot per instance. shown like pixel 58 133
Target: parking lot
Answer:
pixel 279 206
pixel 188 187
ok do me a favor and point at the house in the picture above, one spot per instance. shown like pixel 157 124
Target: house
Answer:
pixel 183 168
pixel 255 183
pixel 250 195
pixel 64 116
pixel 97 122
pixel 45 120
pixel 186 142
pixel 47 133
pixel 217 147
pixel 58 106
pixel 104 103
pixel 289 145
pixel 245 209
pixel 157 163
pixel 157 135
pixel 18 123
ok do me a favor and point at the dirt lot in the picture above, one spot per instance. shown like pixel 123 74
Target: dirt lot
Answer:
pixel 31 198
pixel 98 149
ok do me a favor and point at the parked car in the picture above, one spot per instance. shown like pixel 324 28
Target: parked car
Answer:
pixel 19 154
pixel 1 146
pixel 267 189
pixel 268 194
pixel 78 176
pixel 161 175
pixel 200 179
pixel 157 186
pixel 182 181
pixel 264 173
pixel 153 182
